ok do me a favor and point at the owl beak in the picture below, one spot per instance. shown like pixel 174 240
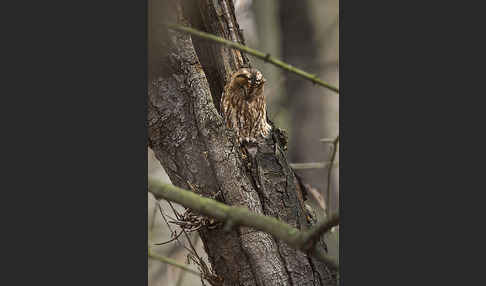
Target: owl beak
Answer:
pixel 245 91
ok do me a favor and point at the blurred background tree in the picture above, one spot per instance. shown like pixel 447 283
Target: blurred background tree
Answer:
pixel 304 34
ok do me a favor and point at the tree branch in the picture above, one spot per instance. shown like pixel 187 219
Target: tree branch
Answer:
pixel 329 172
pixel 266 57
pixel 312 235
pixel 172 262
pixel 311 165
pixel 232 216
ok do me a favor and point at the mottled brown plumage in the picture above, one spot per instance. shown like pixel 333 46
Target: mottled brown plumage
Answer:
pixel 243 105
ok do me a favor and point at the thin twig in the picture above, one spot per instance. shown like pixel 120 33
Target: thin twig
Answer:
pixel 168 225
pixel 163 216
pixel 181 276
pixel 311 165
pixel 173 263
pixel 206 273
pixel 168 241
pixel 179 216
pixel 266 57
pixel 192 252
pixel 327 140
pixel 329 172
pixel 151 229
pixel 176 213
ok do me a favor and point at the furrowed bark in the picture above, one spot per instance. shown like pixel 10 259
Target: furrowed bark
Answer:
pixel 188 136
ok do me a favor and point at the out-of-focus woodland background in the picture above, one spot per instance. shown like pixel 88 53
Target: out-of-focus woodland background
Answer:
pixel 304 34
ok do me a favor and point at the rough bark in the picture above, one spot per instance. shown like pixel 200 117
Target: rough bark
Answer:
pixel 188 136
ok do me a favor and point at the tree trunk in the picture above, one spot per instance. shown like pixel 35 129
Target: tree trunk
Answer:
pixel 188 136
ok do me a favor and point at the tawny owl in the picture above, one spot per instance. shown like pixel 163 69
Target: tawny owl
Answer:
pixel 243 105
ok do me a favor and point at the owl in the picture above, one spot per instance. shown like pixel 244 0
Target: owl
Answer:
pixel 243 105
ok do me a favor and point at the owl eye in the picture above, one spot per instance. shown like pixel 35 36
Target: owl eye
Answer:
pixel 243 76
pixel 242 79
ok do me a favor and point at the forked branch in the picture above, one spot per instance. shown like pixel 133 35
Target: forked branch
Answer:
pixel 233 216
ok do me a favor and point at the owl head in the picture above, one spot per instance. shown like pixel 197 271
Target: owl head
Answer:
pixel 250 81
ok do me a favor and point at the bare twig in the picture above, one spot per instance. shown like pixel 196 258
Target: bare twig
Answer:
pixel 327 140
pixel 329 172
pixel 266 57
pixel 172 262
pixel 176 236
pixel 303 240
pixel 206 272
pixel 182 275
pixel 312 165
pixel 152 223
pixel 173 232
pixel 168 225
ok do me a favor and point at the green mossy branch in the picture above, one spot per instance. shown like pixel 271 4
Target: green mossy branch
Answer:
pixel 232 216
pixel 266 57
